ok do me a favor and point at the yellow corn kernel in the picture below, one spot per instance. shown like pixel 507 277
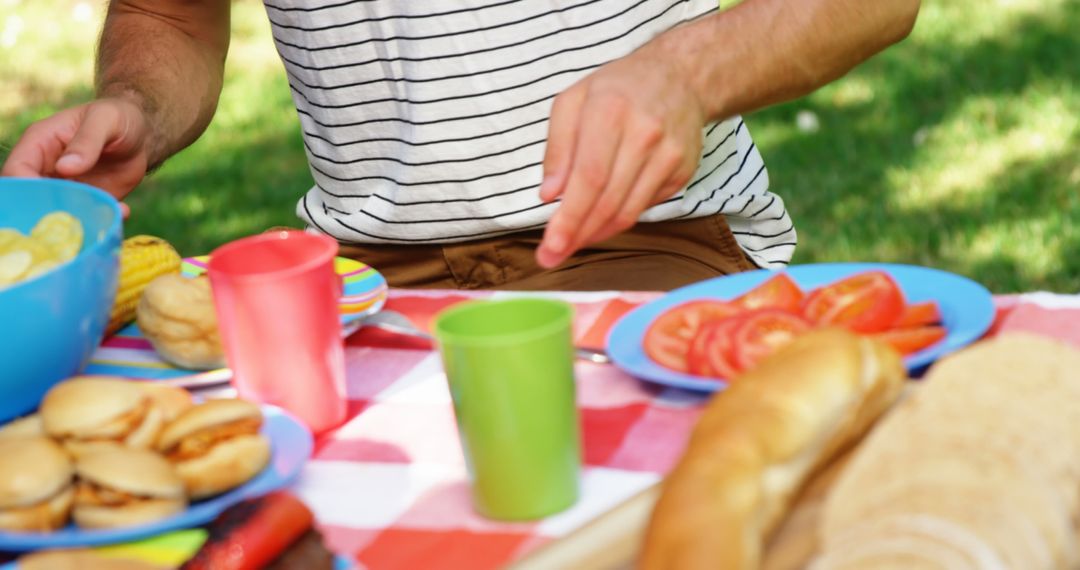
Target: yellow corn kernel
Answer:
pixel 142 258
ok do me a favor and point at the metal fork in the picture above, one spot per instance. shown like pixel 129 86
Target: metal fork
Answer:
pixel 387 320
pixel 397 323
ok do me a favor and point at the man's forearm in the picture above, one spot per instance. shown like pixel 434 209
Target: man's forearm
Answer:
pixel 763 52
pixel 167 56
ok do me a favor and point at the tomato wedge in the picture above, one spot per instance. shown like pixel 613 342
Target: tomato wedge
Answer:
pixel 911 340
pixel 779 292
pixel 866 302
pixel 918 315
pixel 667 340
pixel 712 349
pixel 761 332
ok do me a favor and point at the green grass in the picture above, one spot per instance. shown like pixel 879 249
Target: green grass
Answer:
pixel 958 149
pixel 242 176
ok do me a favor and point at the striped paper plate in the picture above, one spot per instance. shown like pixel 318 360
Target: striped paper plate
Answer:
pixel 128 354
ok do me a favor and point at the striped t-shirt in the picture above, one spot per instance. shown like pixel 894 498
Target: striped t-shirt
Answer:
pixel 425 120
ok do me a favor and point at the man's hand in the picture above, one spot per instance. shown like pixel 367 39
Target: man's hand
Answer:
pixel 619 141
pixel 629 135
pixel 102 143
pixel 159 73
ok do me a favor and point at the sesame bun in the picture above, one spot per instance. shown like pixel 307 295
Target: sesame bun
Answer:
pixel 86 407
pixel 205 416
pixel 227 465
pixel 29 426
pixel 35 484
pixel 158 491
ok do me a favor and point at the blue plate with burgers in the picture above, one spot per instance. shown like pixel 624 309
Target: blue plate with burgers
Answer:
pixel 106 461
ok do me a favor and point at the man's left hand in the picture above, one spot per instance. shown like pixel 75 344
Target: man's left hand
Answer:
pixel 621 140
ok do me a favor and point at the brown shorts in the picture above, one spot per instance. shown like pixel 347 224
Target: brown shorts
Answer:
pixel 649 257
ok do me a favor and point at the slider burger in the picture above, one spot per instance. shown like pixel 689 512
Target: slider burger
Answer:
pixel 216 446
pixel 120 487
pixel 91 412
pixel 35 485
pixel 28 426
pixel 172 401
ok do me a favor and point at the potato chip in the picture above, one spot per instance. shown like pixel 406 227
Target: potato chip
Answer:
pixel 61 233
pixel 57 238
pixel 13 266
pixel 40 267
pixel 11 240
pixel 8 239
pixel 38 250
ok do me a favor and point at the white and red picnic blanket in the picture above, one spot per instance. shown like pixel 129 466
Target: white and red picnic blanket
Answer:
pixel 389 486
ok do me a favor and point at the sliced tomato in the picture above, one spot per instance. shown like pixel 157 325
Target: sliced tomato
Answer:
pixel 866 302
pixel 667 340
pixel 711 352
pixel 911 340
pixel 761 332
pixel 918 315
pixel 779 292
pixel 696 358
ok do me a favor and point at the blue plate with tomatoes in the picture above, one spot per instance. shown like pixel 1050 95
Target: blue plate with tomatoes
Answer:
pixel 698 336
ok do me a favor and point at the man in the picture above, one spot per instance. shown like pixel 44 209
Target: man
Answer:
pixel 528 144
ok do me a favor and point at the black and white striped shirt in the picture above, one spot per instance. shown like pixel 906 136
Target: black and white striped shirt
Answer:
pixel 425 120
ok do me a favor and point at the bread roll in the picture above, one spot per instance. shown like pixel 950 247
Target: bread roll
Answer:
pixel 758 441
pixel 176 314
pixel 980 469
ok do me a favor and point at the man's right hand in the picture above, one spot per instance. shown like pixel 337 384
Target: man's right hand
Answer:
pixel 102 143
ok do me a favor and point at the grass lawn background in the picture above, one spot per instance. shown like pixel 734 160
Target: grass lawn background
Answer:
pixel 957 149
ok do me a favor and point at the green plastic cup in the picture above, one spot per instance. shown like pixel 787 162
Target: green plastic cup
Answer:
pixel 511 372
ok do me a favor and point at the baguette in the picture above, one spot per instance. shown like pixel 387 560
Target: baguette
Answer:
pixel 978 470
pixel 757 442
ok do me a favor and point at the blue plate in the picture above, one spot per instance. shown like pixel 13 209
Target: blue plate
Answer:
pixel 292 445
pixel 967 311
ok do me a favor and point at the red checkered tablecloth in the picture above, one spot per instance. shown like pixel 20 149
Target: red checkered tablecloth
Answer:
pixel 389 486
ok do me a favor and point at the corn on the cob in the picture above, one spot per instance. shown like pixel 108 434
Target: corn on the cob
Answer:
pixel 142 258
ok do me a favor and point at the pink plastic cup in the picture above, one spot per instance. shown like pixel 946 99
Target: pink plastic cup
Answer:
pixel 276 296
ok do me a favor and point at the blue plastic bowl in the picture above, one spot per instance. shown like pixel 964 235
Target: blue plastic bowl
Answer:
pixel 50 325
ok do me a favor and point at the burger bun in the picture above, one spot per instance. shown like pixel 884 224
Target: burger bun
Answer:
pixel 227 465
